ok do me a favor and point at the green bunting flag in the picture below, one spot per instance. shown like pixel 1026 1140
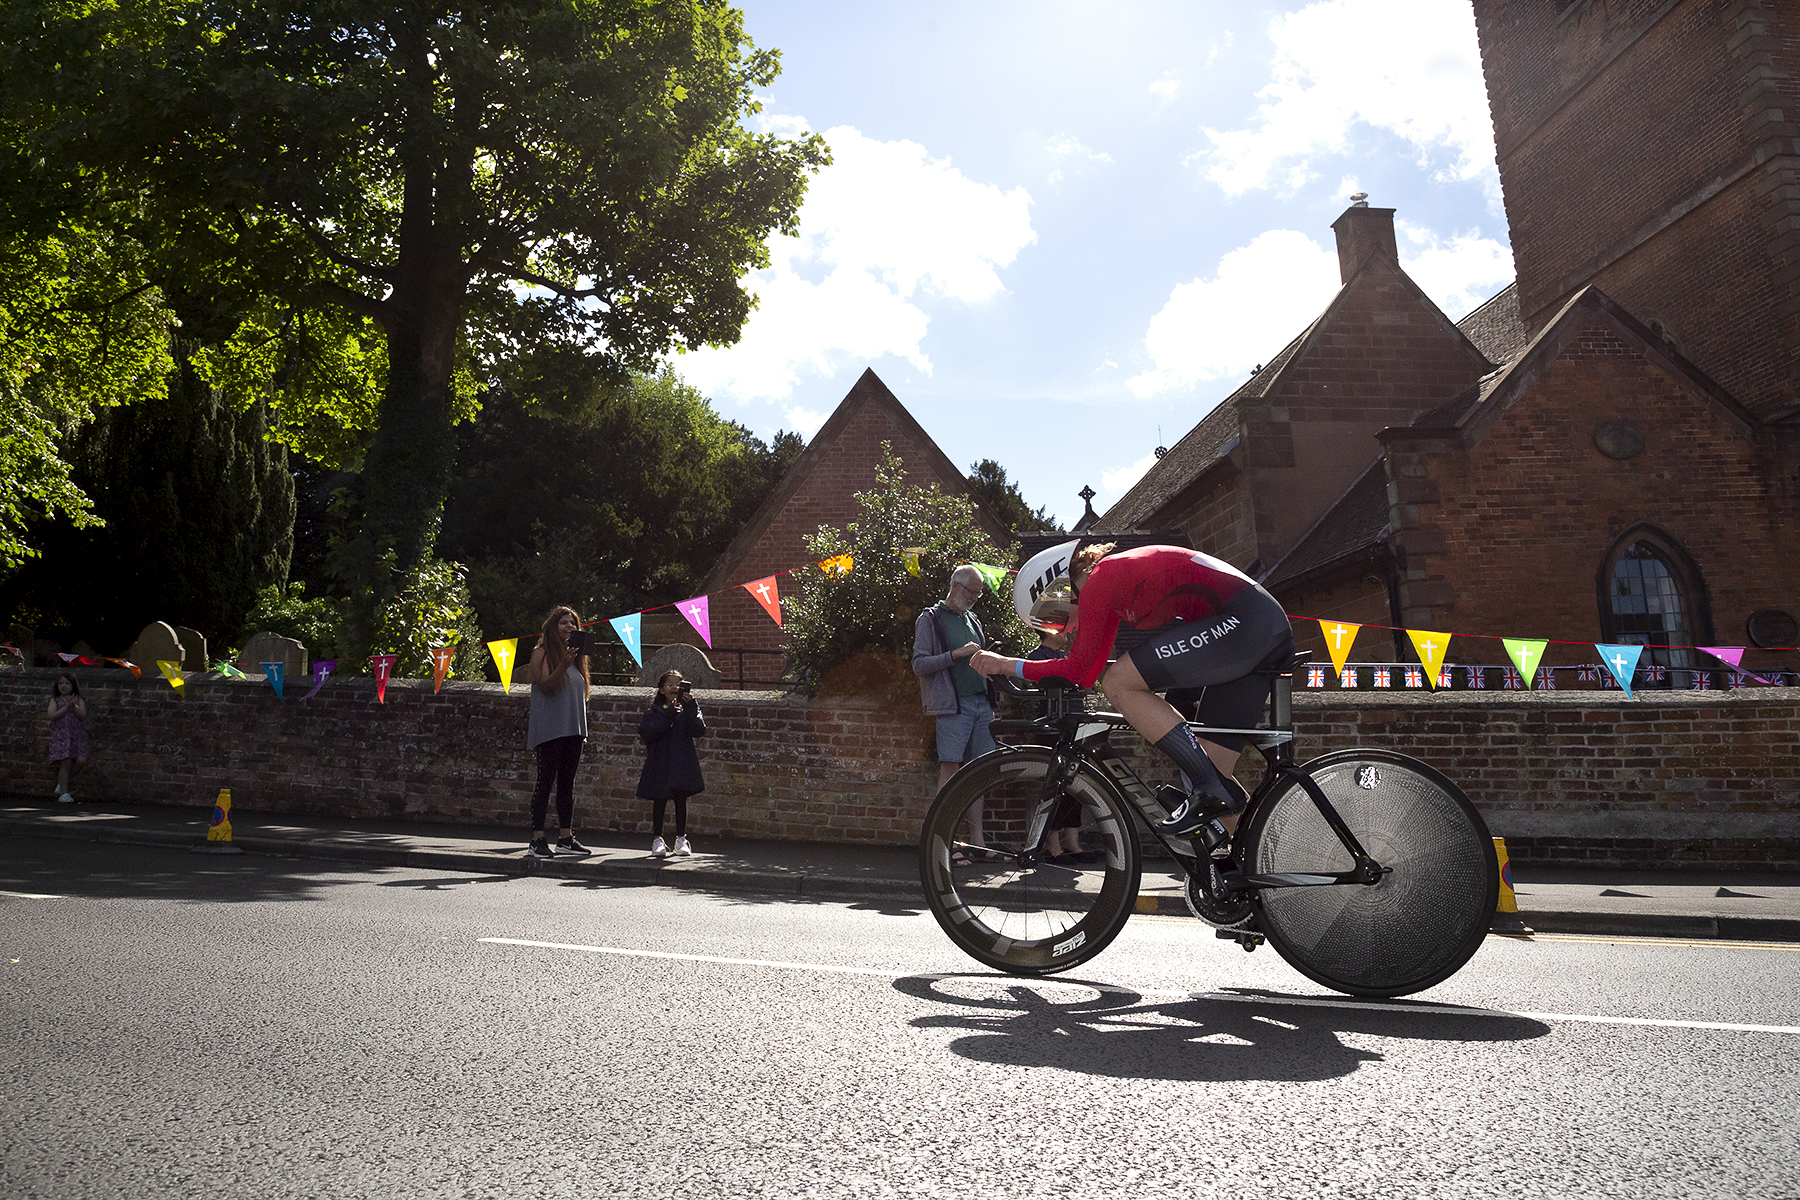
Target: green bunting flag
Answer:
pixel 995 577
pixel 1527 655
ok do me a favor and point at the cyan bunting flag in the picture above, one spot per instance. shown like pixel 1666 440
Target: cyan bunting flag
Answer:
pixel 631 631
pixel 273 673
pixel 1621 661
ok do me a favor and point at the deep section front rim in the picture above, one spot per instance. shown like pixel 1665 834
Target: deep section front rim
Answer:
pixel 1015 911
pixel 1430 910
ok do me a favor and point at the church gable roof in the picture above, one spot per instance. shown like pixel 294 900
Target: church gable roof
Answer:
pixel 1353 524
pixel 868 390
pixel 1496 328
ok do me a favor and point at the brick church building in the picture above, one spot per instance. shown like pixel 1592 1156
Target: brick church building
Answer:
pixel 819 489
pixel 1609 449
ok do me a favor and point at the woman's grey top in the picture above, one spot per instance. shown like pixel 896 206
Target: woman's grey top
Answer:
pixel 558 714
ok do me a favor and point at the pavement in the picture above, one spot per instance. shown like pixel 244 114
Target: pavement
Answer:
pixel 1732 906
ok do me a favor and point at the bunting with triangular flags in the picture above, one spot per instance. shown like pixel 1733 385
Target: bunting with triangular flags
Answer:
pixel 994 577
pixel 698 614
pixel 441 658
pixel 1431 648
pixel 1527 654
pixel 504 651
pixel 768 594
pixel 837 564
pixel 1621 661
pixel 322 669
pixel 1733 657
pixel 172 672
pixel 631 631
pixel 273 671
pixel 1339 637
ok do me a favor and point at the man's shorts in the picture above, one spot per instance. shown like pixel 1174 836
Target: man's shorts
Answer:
pixel 1219 656
pixel 964 735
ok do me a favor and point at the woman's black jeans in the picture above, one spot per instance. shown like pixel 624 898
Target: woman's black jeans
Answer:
pixel 557 759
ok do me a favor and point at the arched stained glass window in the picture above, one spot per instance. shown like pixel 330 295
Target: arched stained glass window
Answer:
pixel 1649 608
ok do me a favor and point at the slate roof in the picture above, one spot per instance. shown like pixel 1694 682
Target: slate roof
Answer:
pixel 1355 523
pixel 1495 327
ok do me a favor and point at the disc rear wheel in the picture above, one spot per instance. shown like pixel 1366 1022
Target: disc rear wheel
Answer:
pixel 1014 910
pixel 1421 921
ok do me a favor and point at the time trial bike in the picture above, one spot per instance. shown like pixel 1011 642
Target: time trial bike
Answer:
pixel 1368 871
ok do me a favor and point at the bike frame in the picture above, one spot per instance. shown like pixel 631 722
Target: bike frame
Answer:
pixel 1084 737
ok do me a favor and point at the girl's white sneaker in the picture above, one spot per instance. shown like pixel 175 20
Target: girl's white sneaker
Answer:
pixel 65 798
pixel 659 849
pixel 682 849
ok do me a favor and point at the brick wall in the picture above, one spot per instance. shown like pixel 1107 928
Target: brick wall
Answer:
pixel 1672 779
pixel 1652 150
pixel 1507 536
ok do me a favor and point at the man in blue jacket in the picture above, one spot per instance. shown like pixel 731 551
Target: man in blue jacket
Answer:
pixel 945 638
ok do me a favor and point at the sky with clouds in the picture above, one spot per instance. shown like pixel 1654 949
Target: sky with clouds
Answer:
pixel 1062 231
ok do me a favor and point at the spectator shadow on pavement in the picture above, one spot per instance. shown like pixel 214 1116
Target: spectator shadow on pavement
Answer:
pixel 1102 1029
pixel 106 871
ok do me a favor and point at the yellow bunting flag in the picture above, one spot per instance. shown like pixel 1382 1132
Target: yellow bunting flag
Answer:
pixel 172 672
pixel 441 658
pixel 912 554
pixel 504 651
pixel 1339 637
pixel 1431 648
pixel 838 564
pixel 1526 654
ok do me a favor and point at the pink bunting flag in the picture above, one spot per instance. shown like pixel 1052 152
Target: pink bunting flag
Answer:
pixel 698 613
pixel 768 595
pixel 1733 657
pixel 384 667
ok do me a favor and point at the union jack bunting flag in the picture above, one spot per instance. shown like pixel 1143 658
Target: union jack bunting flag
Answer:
pixel 1514 681
pixel 1348 678
pixel 1590 673
pixel 1606 678
pixel 1655 672
pixel 1546 678
pixel 1739 679
pixel 1477 676
pixel 1384 677
pixel 1315 676
pixel 1702 681
pixel 1444 676
pixel 1415 677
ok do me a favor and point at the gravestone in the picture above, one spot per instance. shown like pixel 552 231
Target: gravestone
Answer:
pixel 83 648
pixel 194 643
pixel 691 661
pixel 46 653
pixel 157 643
pixel 23 639
pixel 272 647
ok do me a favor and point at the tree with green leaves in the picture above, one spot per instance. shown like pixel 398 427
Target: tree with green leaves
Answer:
pixel 987 479
pixel 870 610
pixel 621 509
pixel 543 194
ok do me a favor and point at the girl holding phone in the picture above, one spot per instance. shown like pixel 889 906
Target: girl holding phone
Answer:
pixel 671 764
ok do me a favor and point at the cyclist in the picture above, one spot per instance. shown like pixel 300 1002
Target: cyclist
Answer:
pixel 1214 628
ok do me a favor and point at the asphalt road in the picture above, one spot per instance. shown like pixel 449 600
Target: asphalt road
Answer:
pixel 181 1025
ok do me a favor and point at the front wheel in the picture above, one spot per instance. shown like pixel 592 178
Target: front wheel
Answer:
pixel 1012 909
pixel 1421 921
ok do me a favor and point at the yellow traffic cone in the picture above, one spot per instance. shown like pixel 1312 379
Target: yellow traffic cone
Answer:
pixel 1506 909
pixel 218 834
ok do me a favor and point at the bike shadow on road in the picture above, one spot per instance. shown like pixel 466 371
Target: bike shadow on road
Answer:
pixel 1103 1029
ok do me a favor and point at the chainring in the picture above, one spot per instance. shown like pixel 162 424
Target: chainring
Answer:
pixel 1206 902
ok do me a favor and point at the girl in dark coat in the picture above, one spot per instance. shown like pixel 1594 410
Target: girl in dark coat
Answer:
pixel 671 765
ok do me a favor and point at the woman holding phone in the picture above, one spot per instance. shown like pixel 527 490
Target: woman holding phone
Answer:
pixel 558 727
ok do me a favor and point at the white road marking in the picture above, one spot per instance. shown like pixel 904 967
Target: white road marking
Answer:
pixel 1391 1007
pixel 33 896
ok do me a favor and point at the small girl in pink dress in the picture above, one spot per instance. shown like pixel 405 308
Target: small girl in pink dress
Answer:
pixel 68 732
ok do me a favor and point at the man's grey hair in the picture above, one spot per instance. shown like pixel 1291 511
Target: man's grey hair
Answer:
pixel 969 575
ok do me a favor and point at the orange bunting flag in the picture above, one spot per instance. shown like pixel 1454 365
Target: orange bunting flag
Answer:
pixel 137 672
pixel 838 564
pixel 1431 647
pixel 767 595
pixel 1339 637
pixel 504 651
pixel 441 658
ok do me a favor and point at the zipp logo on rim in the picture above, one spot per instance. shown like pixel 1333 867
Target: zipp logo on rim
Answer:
pixel 1074 943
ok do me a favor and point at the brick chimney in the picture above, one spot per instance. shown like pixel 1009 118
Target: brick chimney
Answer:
pixel 1362 233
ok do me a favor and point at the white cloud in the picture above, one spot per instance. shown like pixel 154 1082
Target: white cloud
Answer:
pixel 884 229
pixel 1168 87
pixel 1067 156
pixel 1120 480
pixel 1262 296
pixel 1407 67
pixel 1459 272
pixel 805 421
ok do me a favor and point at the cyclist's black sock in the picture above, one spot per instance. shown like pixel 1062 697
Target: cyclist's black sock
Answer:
pixel 1180 745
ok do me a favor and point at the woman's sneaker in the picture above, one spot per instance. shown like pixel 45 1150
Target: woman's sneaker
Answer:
pixel 65 798
pixel 539 849
pixel 682 849
pixel 569 845
pixel 659 848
